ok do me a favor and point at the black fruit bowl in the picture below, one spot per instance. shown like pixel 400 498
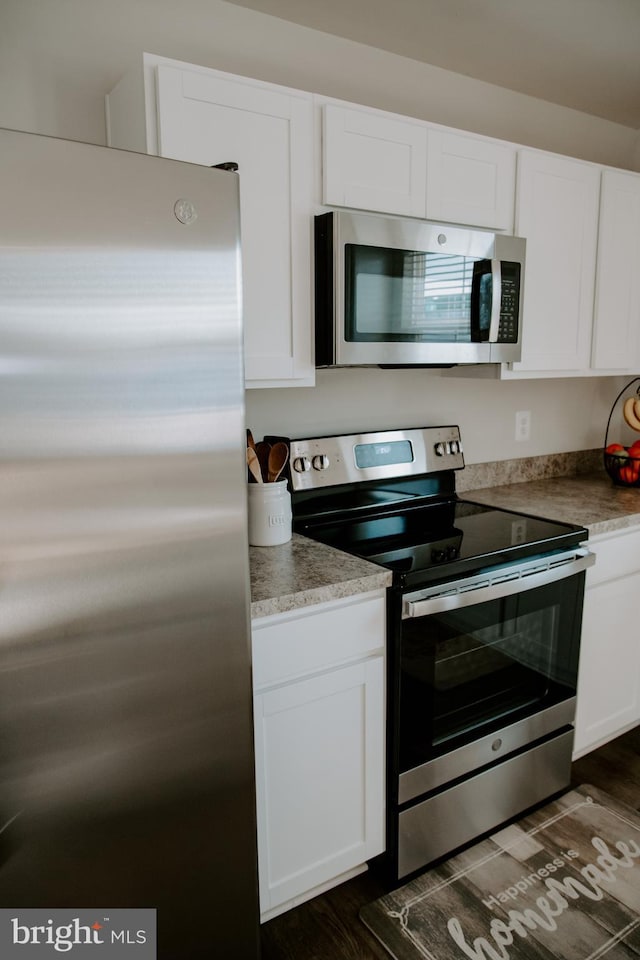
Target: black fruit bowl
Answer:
pixel 623 470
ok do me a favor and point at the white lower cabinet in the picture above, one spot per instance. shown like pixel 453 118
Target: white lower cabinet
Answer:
pixel 320 746
pixel 609 676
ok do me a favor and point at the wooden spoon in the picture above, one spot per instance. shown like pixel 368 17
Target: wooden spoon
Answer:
pixel 254 466
pixel 263 449
pixel 250 440
pixel 278 459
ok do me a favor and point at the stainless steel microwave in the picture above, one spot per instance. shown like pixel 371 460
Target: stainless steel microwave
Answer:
pixel 390 291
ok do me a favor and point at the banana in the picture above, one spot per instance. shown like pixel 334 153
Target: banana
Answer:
pixel 636 407
pixel 629 413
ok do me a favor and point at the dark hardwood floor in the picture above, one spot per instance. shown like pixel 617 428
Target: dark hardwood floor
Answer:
pixel 328 927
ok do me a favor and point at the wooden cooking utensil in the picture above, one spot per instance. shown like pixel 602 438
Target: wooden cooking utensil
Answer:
pixel 263 449
pixel 254 465
pixel 278 458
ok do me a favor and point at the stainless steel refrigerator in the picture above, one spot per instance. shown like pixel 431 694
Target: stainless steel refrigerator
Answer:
pixel 126 752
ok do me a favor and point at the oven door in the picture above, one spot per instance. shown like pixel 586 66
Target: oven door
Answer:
pixel 493 653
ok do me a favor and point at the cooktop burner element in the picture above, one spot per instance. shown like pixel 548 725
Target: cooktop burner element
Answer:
pixel 390 498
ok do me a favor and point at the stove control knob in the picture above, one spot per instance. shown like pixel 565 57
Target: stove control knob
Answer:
pixel 454 446
pixel 440 449
pixel 437 555
pixel 301 464
pixel 320 461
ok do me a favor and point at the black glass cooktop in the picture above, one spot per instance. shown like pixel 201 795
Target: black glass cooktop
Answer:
pixel 443 538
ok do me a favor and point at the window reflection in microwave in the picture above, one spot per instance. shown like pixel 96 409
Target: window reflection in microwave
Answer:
pixel 411 292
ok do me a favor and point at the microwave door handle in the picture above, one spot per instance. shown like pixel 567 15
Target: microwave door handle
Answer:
pixel 496 300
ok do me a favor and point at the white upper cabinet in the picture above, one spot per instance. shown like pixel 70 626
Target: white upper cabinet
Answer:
pixel 557 213
pixel 381 162
pixel 616 335
pixel 581 311
pixel 470 180
pixel 207 117
pixel 373 161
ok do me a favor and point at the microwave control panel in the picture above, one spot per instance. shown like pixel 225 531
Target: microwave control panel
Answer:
pixel 509 303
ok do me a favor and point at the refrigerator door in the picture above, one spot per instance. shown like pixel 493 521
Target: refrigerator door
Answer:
pixel 126 753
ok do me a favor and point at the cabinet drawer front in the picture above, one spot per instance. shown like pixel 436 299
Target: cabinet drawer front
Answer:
pixel 314 639
pixel 616 556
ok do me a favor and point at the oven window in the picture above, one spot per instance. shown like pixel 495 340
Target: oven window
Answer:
pixel 407 295
pixel 471 670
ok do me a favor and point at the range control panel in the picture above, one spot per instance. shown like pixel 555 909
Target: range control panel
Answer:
pixel 327 461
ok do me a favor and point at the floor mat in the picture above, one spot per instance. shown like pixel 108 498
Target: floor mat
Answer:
pixel 563 883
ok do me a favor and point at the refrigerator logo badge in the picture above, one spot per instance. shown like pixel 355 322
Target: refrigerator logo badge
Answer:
pixel 49 933
pixel 185 211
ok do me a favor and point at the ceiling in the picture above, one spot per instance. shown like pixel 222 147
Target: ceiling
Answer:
pixel 583 54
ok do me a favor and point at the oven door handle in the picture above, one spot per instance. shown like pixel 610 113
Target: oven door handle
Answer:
pixel 493 585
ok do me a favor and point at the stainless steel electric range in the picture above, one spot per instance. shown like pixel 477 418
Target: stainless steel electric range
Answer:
pixel 484 623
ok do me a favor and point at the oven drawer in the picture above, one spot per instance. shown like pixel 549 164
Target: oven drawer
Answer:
pixel 437 826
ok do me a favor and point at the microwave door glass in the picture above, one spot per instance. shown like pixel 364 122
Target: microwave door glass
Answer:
pixel 408 295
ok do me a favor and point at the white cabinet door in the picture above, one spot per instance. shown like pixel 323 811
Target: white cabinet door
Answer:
pixel 616 337
pixel 470 180
pixel 609 676
pixel 319 779
pixel 609 682
pixel 207 117
pixel 557 213
pixel 373 162
pixel 319 714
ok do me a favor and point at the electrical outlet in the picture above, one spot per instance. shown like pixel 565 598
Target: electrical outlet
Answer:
pixel 523 425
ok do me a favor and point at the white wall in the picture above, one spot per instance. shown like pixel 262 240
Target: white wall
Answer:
pixel 565 414
pixel 59 57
